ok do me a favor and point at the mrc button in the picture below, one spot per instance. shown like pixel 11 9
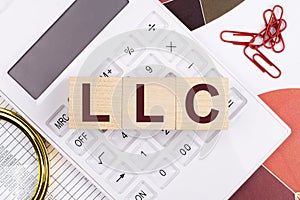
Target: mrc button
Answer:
pixel 58 122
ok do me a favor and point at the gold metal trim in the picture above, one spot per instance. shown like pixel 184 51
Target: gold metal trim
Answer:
pixel 39 147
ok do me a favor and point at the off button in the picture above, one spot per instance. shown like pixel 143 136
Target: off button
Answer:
pixel 58 122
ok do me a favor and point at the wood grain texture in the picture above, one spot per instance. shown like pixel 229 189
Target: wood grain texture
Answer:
pixel 159 100
pixel 163 103
pixel 105 99
pixel 202 104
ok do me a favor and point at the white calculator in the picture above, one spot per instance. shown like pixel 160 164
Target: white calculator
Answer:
pixel 143 39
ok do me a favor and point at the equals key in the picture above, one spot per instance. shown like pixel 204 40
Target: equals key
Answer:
pixel 230 102
pixel 236 102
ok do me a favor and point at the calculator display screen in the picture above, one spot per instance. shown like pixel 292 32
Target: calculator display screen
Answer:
pixel 62 43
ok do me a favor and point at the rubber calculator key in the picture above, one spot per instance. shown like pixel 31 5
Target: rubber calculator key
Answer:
pixel 108 68
pixel 58 122
pixel 207 136
pixel 143 147
pixel 170 74
pixel 81 141
pixel 142 191
pixel 142 152
pixel 120 180
pixel 150 66
pixel 196 65
pixel 236 102
pixel 213 73
pixel 164 175
pixel 211 135
pixel 173 43
pixel 164 137
pixel 186 150
pixel 122 139
pixel 101 158
pixel 130 51
pixel 210 142
pixel 152 23
pixel 202 134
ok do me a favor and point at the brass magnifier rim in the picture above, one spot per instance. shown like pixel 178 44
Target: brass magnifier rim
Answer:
pixel 39 147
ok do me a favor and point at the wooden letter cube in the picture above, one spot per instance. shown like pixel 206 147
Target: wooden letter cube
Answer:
pixel 103 98
pixel 148 99
pixel 196 107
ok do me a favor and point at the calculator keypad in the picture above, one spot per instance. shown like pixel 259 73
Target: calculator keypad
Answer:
pixel 129 159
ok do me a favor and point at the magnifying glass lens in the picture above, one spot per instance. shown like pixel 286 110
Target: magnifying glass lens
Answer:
pixel 18 163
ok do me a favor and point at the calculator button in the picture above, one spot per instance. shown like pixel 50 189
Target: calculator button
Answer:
pixel 143 147
pixel 101 158
pixel 108 69
pixel 210 143
pixel 58 122
pixel 120 180
pixel 170 74
pixel 202 135
pixel 142 153
pixel 206 136
pixel 186 150
pixel 163 176
pixel 174 44
pixel 122 139
pixel 150 66
pixel 152 23
pixel 81 141
pixel 196 65
pixel 129 50
pixel 213 73
pixel 146 134
pixel 236 102
pixel 211 135
pixel 142 192
pixel 165 137
pixel 155 20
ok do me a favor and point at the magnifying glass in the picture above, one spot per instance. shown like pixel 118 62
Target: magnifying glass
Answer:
pixel 23 175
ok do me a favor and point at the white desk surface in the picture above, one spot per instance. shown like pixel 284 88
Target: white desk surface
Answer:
pixel 248 16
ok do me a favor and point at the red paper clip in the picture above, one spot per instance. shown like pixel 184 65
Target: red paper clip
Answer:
pixel 264 58
pixel 238 34
pixel 273 21
pixel 274 27
pixel 270 37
